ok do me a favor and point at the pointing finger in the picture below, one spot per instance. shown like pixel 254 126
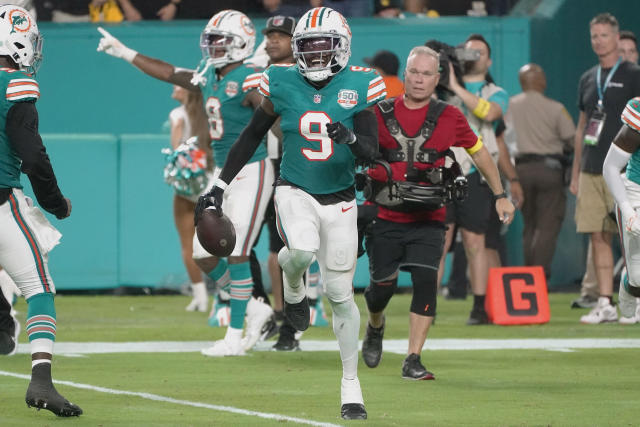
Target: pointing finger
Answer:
pixel 104 32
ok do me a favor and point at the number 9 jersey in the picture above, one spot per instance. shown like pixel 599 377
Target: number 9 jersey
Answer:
pixel 310 159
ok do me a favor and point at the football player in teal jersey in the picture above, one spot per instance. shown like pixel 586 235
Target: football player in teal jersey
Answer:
pixel 625 151
pixel 228 89
pixel 26 236
pixel 327 123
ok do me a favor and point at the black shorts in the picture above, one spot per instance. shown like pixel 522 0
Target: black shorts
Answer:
pixel 473 213
pixel 392 246
pixel 492 236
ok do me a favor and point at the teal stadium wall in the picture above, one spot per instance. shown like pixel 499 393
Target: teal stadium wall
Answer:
pixel 102 123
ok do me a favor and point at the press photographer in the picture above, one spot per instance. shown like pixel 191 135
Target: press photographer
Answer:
pixel 415 134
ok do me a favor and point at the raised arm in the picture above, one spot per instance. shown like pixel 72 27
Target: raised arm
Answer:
pixel 152 67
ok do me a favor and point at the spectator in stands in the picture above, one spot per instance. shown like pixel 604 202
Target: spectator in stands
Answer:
pixel 603 91
pixel 386 64
pixel 544 131
pixel 483 103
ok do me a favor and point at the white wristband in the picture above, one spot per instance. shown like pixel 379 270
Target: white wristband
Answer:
pixel 220 184
pixel 128 54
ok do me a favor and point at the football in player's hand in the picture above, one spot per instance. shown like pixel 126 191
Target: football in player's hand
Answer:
pixel 216 233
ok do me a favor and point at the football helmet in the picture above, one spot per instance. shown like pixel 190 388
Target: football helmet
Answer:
pixel 228 37
pixel 321 43
pixel 20 38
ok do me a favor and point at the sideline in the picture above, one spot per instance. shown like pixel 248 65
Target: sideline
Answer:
pixel 390 346
pixel 150 396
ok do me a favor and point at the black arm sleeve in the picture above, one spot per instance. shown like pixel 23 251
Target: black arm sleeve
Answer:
pixel 246 144
pixel 22 130
pixel 365 127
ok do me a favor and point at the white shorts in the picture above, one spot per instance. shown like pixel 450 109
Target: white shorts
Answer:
pixel 244 202
pixel 329 231
pixel 25 241
pixel 631 243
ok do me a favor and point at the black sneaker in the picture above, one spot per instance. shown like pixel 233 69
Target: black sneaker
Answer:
pixel 42 394
pixel 298 314
pixel 478 316
pixel 412 369
pixel 584 301
pixel 353 411
pixel 372 345
pixel 9 331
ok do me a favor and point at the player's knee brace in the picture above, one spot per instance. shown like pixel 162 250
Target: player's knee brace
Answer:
pixel 425 285
pixel 378 294
pixel 294 262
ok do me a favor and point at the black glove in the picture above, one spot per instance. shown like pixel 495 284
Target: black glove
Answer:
pixel 340 133
pixel 211 198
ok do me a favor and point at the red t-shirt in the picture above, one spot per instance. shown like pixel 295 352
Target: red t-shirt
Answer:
pixel 452 130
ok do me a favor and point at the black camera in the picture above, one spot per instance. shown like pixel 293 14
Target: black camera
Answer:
pixel 459 57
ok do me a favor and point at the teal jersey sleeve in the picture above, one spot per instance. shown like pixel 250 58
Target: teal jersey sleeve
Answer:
pixel 311 160
pixel 501 97
pixel 631 118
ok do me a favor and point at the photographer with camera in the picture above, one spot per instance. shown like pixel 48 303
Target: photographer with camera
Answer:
pixel 410 186
pixel 483 104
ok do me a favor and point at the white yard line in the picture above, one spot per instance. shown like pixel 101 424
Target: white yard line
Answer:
pixel 159 398
pixel 391 346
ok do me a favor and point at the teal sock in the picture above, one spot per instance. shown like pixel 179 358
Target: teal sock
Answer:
pixel 241 287
pixel 41 317
pixel 220 275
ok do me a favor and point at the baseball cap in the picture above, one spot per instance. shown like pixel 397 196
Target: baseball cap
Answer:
pixel 284 24
pixel 385 60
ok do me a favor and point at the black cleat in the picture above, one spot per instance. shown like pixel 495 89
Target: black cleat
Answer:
pixel 478 316
pixel 372 345
pixel 42 394
pixel 9 332
pixel 298 314
pixel 286 342
pixel 353 411
pixel 412 369
pixel 7 343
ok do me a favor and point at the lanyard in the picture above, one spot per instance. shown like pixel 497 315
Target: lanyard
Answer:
pixel 606 81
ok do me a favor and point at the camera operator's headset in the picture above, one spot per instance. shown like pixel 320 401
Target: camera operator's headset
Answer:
pixel 444 184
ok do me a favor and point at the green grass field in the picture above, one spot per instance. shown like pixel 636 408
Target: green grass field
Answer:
pixel 577 387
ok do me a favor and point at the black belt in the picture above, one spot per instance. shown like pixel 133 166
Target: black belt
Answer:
pixel 4 194
pixel 528 158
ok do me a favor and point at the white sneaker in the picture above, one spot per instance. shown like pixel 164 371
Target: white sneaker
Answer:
pixel 224 348
pixel 601 313
pixel 258 314
pixel 350 391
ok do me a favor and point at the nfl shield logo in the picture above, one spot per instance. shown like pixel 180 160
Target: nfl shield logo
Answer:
pixel 317 98
pixel 278 21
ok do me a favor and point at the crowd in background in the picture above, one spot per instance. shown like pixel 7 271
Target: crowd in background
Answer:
pixel 166 10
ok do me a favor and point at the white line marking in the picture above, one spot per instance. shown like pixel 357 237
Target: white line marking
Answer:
pixel 390 346
pixel 159 398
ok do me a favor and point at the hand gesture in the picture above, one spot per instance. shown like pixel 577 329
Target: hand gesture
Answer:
pixel 211 198
pixel 114 47
pixel 505 210
pixel 66 215
pixel 340 134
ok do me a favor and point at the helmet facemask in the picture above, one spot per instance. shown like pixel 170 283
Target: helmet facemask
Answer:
pixel 320 55
pixel 218 47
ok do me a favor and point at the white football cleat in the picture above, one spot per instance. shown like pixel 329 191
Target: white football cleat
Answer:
pixel 258 314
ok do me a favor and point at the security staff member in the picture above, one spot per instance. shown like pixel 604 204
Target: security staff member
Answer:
pixel 415 134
